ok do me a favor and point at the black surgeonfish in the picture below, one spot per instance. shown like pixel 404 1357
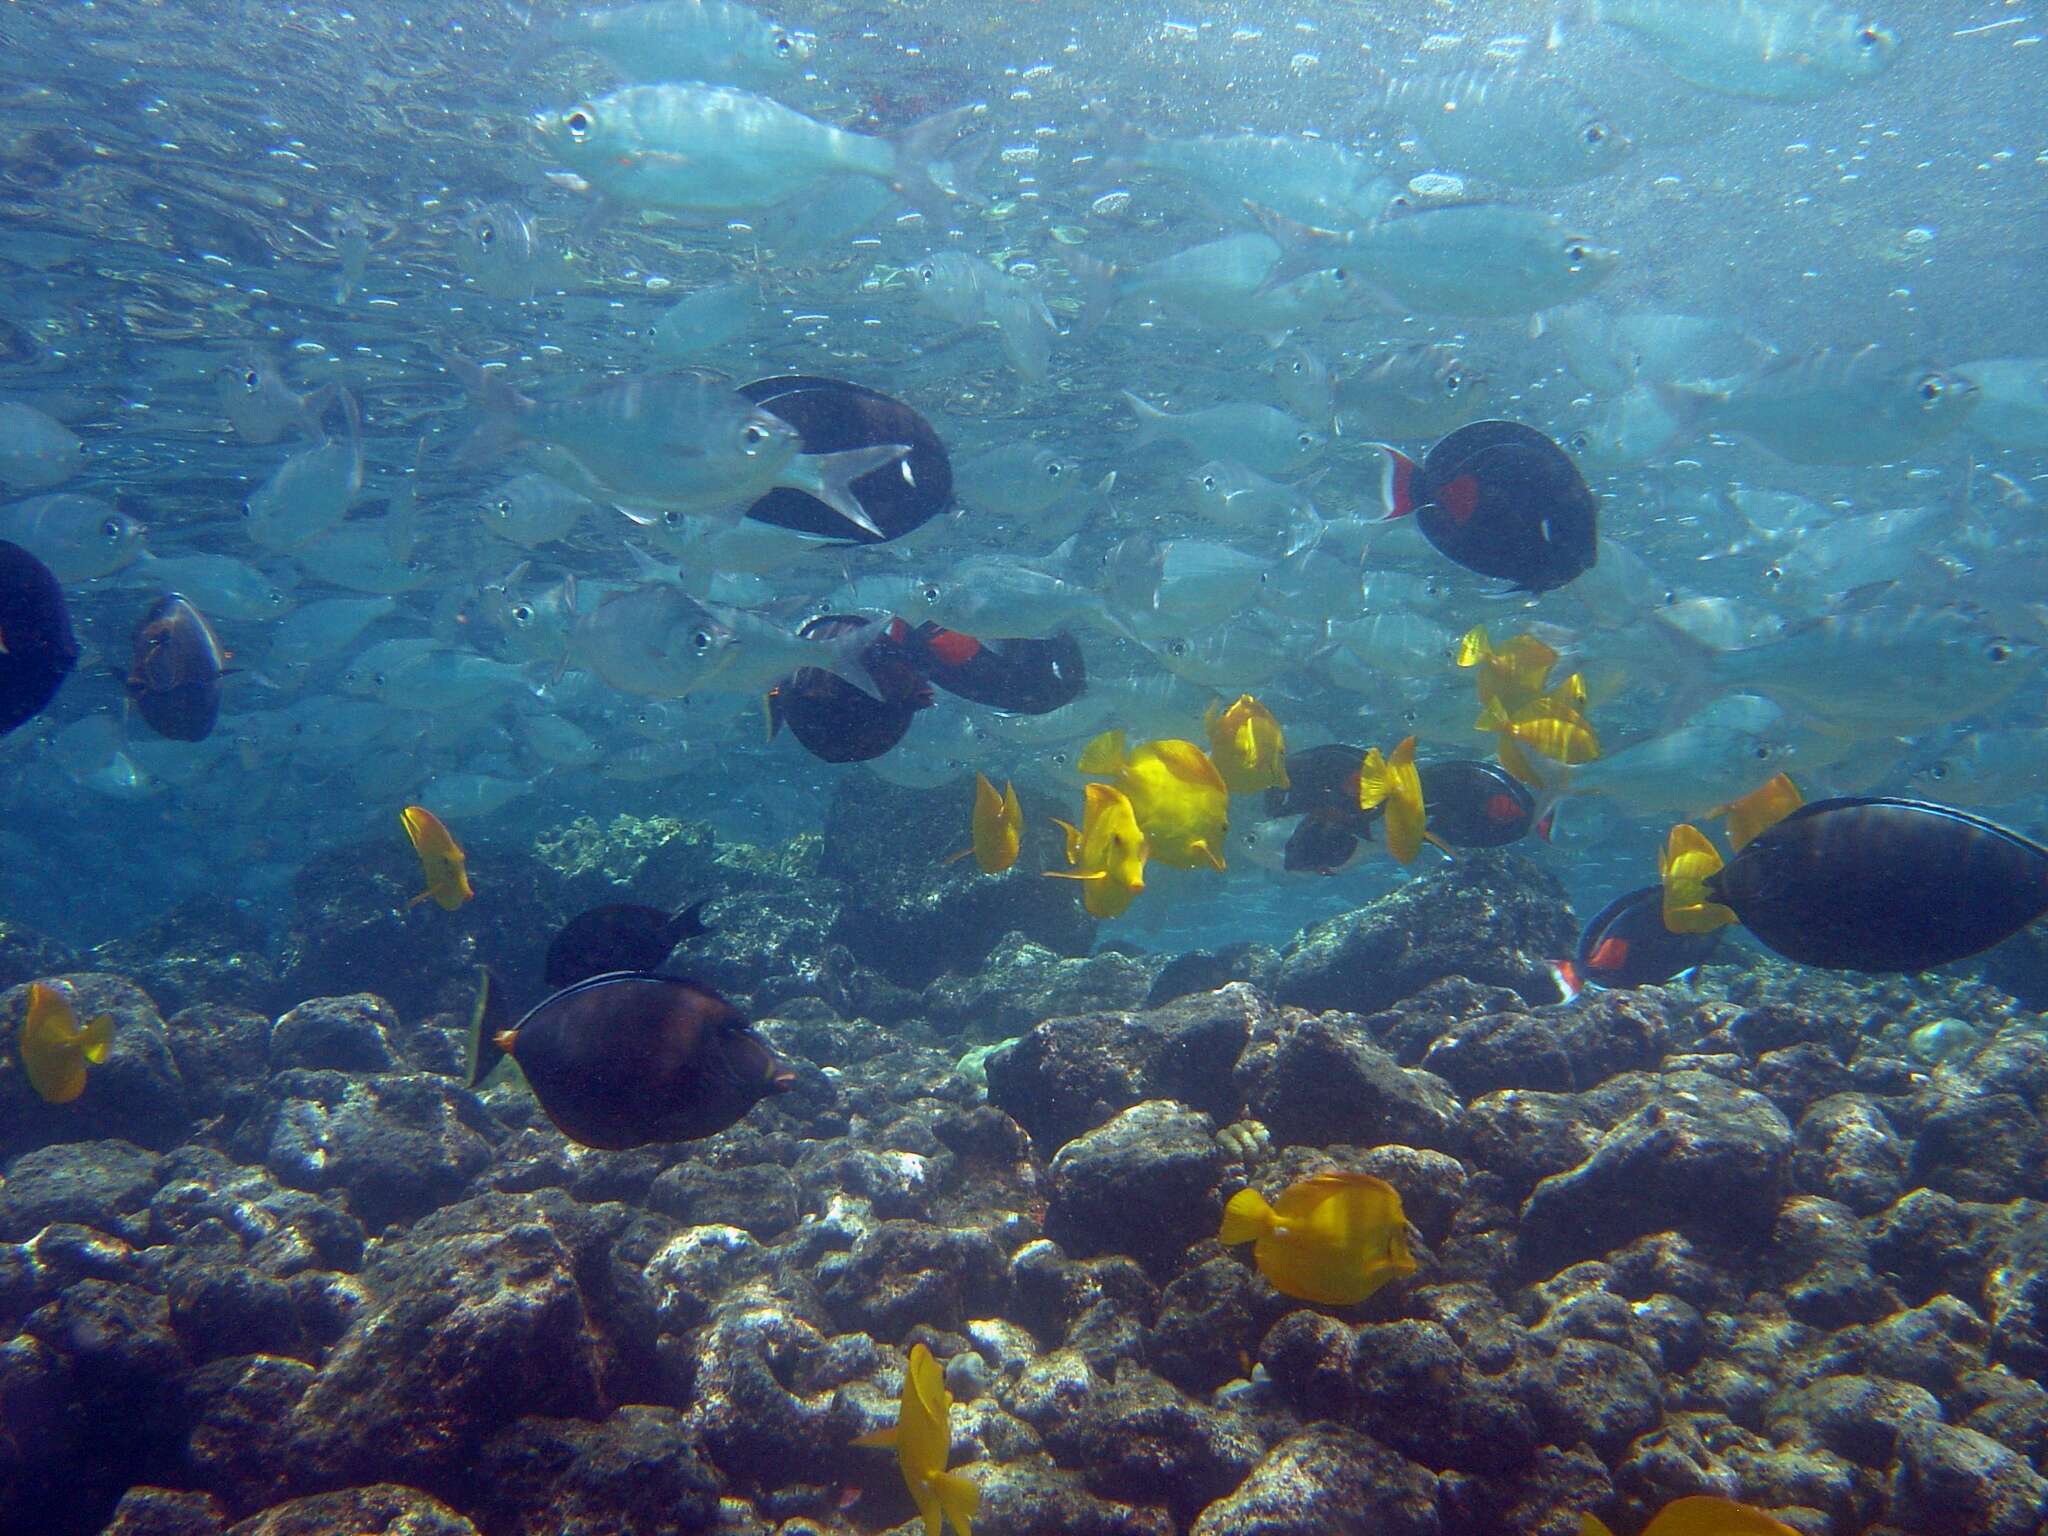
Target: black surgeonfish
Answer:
pixel 1475 804
pixel 174 678
pixel 1627 945
pixel 1500 499
pixel 1323 791
pixel 37 648
pixel 833 416
pixel 625 1059
pixel 1024 676
pixel 834 720
pixel 1862 883
pixel 619 936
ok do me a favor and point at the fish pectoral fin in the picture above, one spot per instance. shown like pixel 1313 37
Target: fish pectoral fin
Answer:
pixel 423 896
pixel 97 1038
pixel 955 858
pixel 1439 844
pixel 1068 874
pixel 879 1439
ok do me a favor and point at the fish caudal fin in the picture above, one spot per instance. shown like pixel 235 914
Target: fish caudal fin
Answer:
pixel 1153 423
pixel 830 476
pixel 918 148
pixel 1397 482
pixel 877 1439
pixel 959 1500
pixel 1686 864
pixel 1098 290
pixel 487 1023
pixel 1566 975
pixel 1246 1218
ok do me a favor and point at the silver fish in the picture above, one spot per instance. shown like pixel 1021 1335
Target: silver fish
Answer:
pixel 36 450
pixel 261 406
pixel 311 491
pixel 1314 180
pixel 658 641
pixel 719 150
pixel 721 41
pixel 969 290
pixel 501 249
pixel 1271 441
pixel 1863 405
pixel 1776 50
pixel 78 537
pixel 1523 130
pixel 704 320
pixel 1419 392
pixel 1480 259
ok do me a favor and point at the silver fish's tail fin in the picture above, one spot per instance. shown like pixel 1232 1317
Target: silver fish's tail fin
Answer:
pixel 1154 424
pixel 1098 290
pixel 648 569
pixel 921 147
pixel 830 477
pixel 490 392
pixel 314 408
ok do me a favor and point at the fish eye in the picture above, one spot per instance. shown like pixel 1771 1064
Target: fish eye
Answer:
pixel 1059 759
pixel 1055 469
pixel 1938 772
pixel 1576 252
pixel 1932 387
pixel 1453 382
pixel 1578 442
pixel 1339 275
pixel 579 123
pixel 700 642
pixel 250 381
pixel 1178 648
pixel 522 613
pixel 927 273
pixel 784 47
pixel 1869 37
pixel 111 528
pixel 672 518
pixel 930 595
pixel 754 436
pixel 487 234
pixel 504 506
pixel 1998 650
pixel 1306 440
pixel 1774 573
pixel 1760 752
pixel 1297 366
pixel 1596 133
pixel 377 681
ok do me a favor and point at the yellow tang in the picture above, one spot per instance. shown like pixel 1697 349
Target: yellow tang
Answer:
pixel 1107 851
pixel 1334 1238
pixel 922 1437
pixel 1180 800
pixel 1703 1514
pixel 1762 808
pixel 1247 745
pixel 1552 725
pixel 1395 783
pixel 998 827
pixel 1684 866
pixel 1514 675
pixel 441 858
pixel 55 1049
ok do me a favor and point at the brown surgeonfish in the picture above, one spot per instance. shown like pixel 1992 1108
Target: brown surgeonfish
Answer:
pixel 625 1059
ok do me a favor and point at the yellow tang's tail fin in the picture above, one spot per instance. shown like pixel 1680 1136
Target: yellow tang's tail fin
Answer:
pixel 1686 864
pixel 1759 810
pixel 882 1439
pixel 1375 780
pixel 1103 755
pixel 960 1498
pixel 97 1038
pixel 1246 1217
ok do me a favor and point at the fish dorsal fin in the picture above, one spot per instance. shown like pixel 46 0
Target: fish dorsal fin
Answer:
pixel 1104 755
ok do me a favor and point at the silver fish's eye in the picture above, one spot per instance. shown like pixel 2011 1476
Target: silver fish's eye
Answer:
pixel 927 273
pixel 1054 470
pixel 1576 252
pixel 1453 382
pixel 784 45
pixel 248 509
pixel 700 642
pixel 111 529
pixel 930 596
pixel 1931 387
pixel 1938 772
pixel 250 380
pixel 1760 752
pixel 1208 482
pixel 1998 649
pixel 1596 133
pixel 753 435
pixel 377 681
pixel 580 122
pixel 504 506
pixel 1297 367
pixel 672 518
pixel 1305 440
pixel 1339 275
pixel 1869 37
pixel 1578 442
pixel 487 234
pixel 522 613
pixel 1059 759
pixel 1774 573
pixel 1178 648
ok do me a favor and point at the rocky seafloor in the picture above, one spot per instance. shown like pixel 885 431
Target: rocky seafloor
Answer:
pixel 1782 1238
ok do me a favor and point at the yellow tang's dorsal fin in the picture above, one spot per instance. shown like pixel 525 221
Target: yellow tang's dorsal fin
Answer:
pixel 1760 810
pixel 1103 755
